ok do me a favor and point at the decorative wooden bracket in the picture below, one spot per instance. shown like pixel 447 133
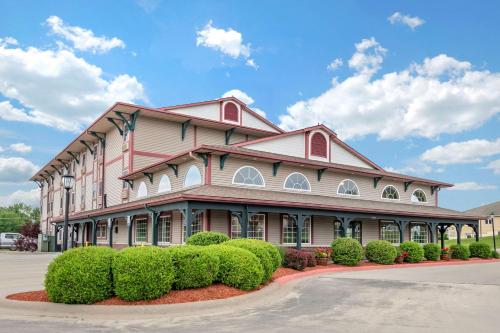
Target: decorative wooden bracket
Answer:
pixel 407 184
pixel 184 127
pixel 85 143
pixel 204 157
pixel 53 167
pixel 222 160
pixel 228 135
pixel 175 169
pixel 149 175
pixel 434 189
pixel 112 120
pixel 276 166
pixel 320 174
pixel 130 183
pixel 129 123
pixel 66 165
pixel 375 181
pixel 75 156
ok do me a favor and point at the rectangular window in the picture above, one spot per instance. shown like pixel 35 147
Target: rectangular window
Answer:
pixel 337 229
pixel 235 228
pixel 102 231
pixel 290 231
pixel 389 231
pixel 354 231
pixel 164 229
pixel 256 227
pixel 196 226
pixel 419 233
pixel 141 230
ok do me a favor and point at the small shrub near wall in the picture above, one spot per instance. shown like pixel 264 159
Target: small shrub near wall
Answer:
pixel 298 259
pixel 194 266
pixel 432 251
pixel 414 250
pixel 459 251
pixel 142 273
pixel 257 248
pixel 495 254
pixel 238 267
pixel 206 238
pixel 381 252
pixel 80 276
pixel 346 251
pixel 480 250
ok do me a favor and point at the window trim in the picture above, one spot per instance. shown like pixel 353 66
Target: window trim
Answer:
pixel 238 110
pixel 168 215
pixel 418 202
pixel 169 184
pixel 297 189
pixel 139 189
pixel 146 220
pixel 413 224
pixel 251 185
pixel 382 222
pixel 327 153
pixel 345 194
pixel 185 177
pixel 264 234
pixel 383 190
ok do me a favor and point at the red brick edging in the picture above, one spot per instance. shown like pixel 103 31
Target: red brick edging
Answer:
pixel 287 278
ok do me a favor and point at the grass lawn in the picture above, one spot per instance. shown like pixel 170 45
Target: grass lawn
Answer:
pixel 467 241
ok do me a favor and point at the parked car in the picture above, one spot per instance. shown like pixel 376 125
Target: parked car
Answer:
pixel 8 239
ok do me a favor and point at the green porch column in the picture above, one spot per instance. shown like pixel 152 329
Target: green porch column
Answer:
pixel 402 226
pixel 110 231
pixel 188 218
pixel 344 222
pixel 458 228
pixel 154 221
pixel 94 232
pixel 129 230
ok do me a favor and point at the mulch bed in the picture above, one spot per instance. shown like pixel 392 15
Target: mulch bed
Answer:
pixel 220 291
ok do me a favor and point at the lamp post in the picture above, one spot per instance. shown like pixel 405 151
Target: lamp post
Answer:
pixel 492 219
pixel 67 181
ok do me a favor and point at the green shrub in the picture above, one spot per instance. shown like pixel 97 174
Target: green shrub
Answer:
pixel 206 238
pixel 262 253
pixel 414 250
pixel 80 276
pixel 380 252
pixel 495 254
pixel 238 267
pixel 194 266
pixel 432 251
pixel 459 251
pixel 480 250
pixel 346 251
pixel 275 254
pixel 142 273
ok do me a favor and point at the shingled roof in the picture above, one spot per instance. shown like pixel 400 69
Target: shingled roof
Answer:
pixel 485 210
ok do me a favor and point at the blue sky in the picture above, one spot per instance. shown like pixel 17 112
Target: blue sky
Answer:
pixel 414 86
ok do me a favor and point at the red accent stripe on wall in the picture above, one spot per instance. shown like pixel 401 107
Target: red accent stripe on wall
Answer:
pixel 151 154
pixel 116 159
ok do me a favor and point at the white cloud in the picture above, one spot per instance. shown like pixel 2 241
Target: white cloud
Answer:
pixel 58 89
pixel 415 168
pixel 251 63
pixel 242 96
pixel 16 169
pixel 229 42
pixel 471 186
pixel 408 20
pixel 83 39
pixel 21 148
pixel 441 95
pixel 30 198
pixel 472 151
pixel 494 166
pixel 335 64
pixel 148 6
pixel 2 149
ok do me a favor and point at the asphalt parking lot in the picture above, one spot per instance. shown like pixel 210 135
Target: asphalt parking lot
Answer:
pixel 454 299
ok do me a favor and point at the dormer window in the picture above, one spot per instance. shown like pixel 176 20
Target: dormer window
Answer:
pixel 319 145
pixel 231 112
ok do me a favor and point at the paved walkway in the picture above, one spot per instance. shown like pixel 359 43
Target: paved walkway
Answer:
pixel 463 298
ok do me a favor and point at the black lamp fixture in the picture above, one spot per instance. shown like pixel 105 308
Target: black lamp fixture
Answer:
pixel 68 182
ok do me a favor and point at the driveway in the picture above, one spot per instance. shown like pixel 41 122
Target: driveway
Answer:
pixel 423 299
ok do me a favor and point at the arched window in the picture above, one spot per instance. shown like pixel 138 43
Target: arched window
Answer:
pixel 142 191
pixel 248 175
pixel 419 233
pixel 193 177
pixel 297 181
pixel 418 196
pixel 319 145
pixel 231 112
pixel 348 187
pixel 390 192
pixel 164 185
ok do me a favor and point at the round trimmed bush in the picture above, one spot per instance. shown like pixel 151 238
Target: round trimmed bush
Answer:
pixel 274 252
pixel 238 267
pixel 381 252
pixel 480 250
pixel 459 251
pixel 194 266
pixel 142 273
pixel 206 238
pixel 80 276
pixel 346 251
pixel 257 248
pixel 432 251
pixel 414 250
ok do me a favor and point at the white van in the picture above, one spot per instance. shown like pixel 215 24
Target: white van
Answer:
pixel 7 239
